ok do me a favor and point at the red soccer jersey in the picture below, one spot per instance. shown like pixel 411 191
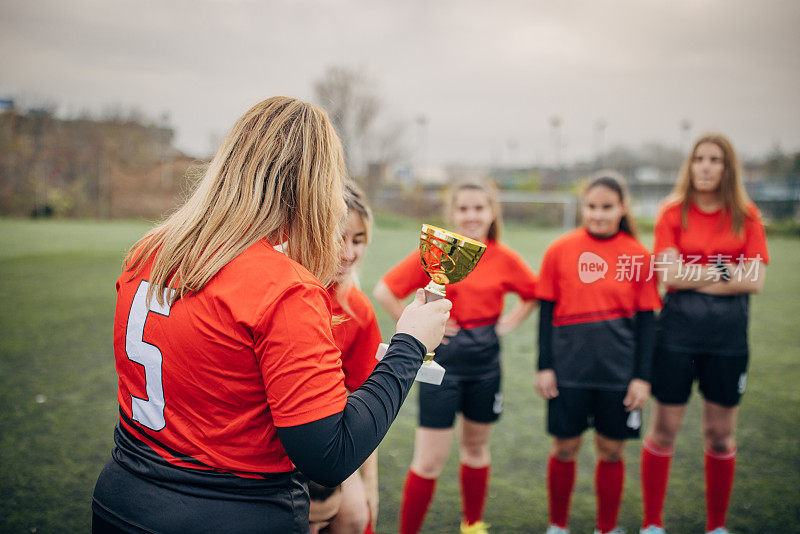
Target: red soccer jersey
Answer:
pixel 204 382
pixel 357 338
pixel 598 286
pixel 709 236
pixel 593 279
pixel 478 299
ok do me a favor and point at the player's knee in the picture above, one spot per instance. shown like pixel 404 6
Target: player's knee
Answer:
pixel 475 453
pixel 663 433
pixel 427 470
pixel 430 466
pixel 565 452
pixel 718 439
pixel 609 450
pixel 609 454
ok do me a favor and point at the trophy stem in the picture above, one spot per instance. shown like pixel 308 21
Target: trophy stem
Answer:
pixel 433 291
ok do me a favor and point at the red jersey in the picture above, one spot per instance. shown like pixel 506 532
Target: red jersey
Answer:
pixel 708 236
pixel 205 381
pixel 478 298
pixel 357 338
pixel 477 304
pixel 598 285
pixel 594 279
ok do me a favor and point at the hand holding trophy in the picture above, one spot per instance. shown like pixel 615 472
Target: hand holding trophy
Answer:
pixel 447 258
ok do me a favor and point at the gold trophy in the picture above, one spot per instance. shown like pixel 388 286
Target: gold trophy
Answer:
pixel 447 258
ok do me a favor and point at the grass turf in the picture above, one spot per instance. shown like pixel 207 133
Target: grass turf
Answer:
pixel 57 392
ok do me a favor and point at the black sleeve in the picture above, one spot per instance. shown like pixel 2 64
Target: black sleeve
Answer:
pixel 645 344
pixel 545 334
pixel 330 449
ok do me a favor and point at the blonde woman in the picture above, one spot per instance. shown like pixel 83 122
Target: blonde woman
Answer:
pixel 712 249
pixel 470 353
pixel 230 382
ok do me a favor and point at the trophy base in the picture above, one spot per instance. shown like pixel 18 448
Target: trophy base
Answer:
pixel 430 373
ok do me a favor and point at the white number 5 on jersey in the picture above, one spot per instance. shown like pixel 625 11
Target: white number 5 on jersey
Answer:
pixel 149 411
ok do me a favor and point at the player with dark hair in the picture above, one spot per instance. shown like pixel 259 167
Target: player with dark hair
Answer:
pixel 470 353
pixel 230 383
pixel 596 342
pixel 713 250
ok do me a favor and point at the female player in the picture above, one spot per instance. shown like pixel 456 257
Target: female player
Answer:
pixel 229 376
pixel 358 337
pixel 596 342
pixel 470 354
pixel 711 244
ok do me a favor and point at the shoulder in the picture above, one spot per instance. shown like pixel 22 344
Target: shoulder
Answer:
pixel 568 240
pixel 669 208
pixel 752 211
pixel 261 269
pixel 504 251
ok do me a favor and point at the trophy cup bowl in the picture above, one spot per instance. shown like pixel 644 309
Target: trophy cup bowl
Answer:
pixel 448 258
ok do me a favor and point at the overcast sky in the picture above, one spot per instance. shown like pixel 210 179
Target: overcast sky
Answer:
pixel 487 75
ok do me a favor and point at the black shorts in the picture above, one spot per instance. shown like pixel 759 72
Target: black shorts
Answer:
pixel 721 377
pixel 576 409
pixel 478 399
pixel 130 503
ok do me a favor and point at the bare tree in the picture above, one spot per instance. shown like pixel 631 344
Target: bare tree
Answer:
pixel 350 99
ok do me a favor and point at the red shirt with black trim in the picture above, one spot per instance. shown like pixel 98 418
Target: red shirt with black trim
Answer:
pixel 205 381
pixel 598 285
pixel 696 322
pixel 477 304
pixel 357 337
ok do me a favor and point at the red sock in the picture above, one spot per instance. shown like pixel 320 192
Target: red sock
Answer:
pixel 655 474
pixel 560 481
pixel 474 483
pixel 368 529
pixel 720 467
pixel 417 497
pixel 609 478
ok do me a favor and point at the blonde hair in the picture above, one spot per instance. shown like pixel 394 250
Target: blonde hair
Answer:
pixel 277 175
pixel 731 188
pixel 356 203
pixel 488 187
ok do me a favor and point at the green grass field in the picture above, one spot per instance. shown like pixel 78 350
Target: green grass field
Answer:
pixel 58 404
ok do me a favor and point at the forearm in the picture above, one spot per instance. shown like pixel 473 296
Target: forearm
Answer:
pixel 331 449
pixel 744 279
pixel 518 313
pixel 393 305
pixel 678 276
pixel 675 273
pixel 369 470
pixel 369 477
